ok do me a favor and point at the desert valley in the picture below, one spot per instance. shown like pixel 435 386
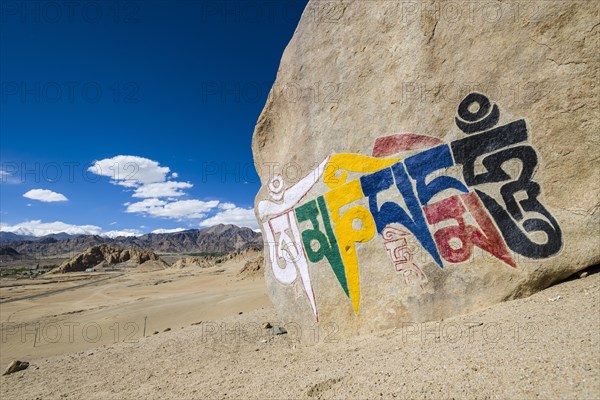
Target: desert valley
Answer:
pixel 305 199
pixel 185 326
pixel 106 294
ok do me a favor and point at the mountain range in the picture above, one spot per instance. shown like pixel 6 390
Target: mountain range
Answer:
pixel 15 237
pixel 216 239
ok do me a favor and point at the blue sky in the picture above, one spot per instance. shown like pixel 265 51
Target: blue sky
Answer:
pixel 135 116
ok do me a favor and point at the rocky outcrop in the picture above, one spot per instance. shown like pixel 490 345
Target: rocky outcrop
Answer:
pixel 103 256
pixel 193 262
pixel 437 158
pixel 252 268
pixel 207 261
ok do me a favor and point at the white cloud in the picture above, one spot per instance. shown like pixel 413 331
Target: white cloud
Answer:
pixel 124 232
pixel 44 195
pixel 9 177
pixel 159 195
pixel 113 223
pixel 144 205
pixel 39 228
pixel 174 230
pixel 146 176
pixel 236 216
pixel 182 209
pixel 130 171
pixel 162 189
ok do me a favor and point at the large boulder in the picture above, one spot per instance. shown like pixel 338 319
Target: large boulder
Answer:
pixel 425 159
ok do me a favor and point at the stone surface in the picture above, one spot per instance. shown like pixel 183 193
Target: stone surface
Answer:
pixel 362 147
pixel 16 366
pixel 277 330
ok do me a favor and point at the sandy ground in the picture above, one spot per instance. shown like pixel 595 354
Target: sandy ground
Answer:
pixel 116 309
pixel 541 347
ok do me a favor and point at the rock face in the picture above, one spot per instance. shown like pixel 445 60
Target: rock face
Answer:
pixel 102 256
pixel 7 253
pixel 435 158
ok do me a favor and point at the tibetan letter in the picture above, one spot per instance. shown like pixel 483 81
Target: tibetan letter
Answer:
pixel 389 212
pixel 512 217
pixel 319 245
pixel 348 233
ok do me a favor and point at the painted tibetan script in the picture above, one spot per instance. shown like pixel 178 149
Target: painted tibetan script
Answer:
pixel 483 204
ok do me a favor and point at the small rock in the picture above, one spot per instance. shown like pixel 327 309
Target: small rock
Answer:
pixel 197 323
pixel 554 298
pixel 267 325
pixel 277 330
pixel 263 340
pixel 583 274
pixel 167 330
pixel 240 313
pixel 16 366
pixel 155 333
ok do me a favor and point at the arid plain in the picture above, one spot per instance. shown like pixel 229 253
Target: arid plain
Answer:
pixel 62 313
pixel 205 338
